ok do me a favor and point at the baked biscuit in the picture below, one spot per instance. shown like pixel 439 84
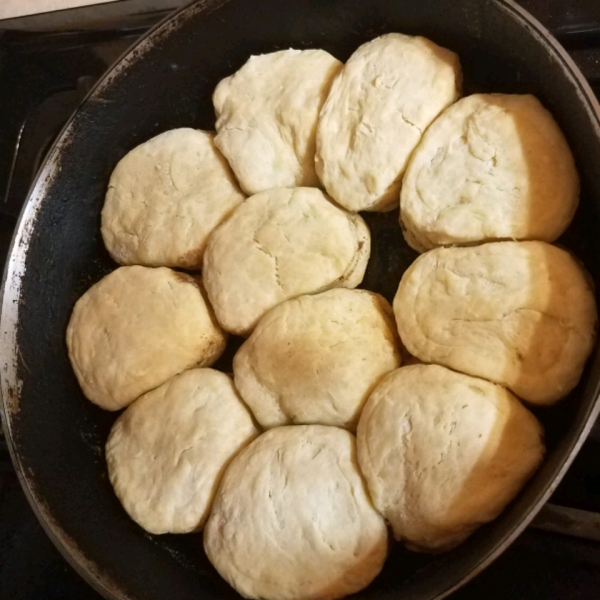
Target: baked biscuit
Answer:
pixel 280 244
pixel 267 115
pixel 443 453
pixel 167 452
pixel 492 166
pixel 292 518
pixel 521 314
pixel 386 95
pixel 135 329
pixel 315 359
pixel 165 197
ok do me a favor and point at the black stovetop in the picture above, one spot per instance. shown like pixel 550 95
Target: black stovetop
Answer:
pixel 42 79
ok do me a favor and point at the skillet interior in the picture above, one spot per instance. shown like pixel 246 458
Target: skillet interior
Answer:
pixel 57 436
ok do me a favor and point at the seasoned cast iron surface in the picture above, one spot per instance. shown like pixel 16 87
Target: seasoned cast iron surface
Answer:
pixel 59 435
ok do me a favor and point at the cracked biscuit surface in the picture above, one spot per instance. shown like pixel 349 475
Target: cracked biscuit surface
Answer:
pixel 137 327
pixel 443 453
pixel 165 197
pixel 167 452
pixel 277 245
pixel 292 519
pixel 521 314
pixel 386 95
pixel 315 359
pixel 492 166
pixel 267 116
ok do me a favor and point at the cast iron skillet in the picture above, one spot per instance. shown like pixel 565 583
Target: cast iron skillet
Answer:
pixel 56 436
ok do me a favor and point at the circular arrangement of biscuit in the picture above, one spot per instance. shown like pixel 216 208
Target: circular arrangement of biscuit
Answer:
pixel 261 453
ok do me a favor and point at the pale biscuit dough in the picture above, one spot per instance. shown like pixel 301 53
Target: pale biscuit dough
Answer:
pixel 277 245
pixel 137 327
pixel 292 519
pixel 386 95
pixel 167 452
pixel 443 453
pixel 315 359
pixel 165 197
pixel 492 166
pixel 267 116
pixel 521 314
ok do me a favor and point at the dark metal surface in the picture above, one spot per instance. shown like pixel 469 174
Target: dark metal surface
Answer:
pixel 569 521
pixel 57 436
